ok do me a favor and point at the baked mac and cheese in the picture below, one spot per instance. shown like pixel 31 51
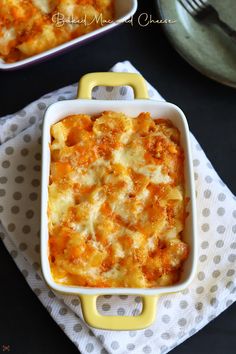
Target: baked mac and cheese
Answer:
pixel 116 205
pixel 29 27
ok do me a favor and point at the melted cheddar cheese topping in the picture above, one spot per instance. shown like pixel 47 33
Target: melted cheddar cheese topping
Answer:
pixel 116 205
pixel 29 27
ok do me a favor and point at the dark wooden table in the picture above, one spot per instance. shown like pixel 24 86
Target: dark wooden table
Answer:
pixel 210 107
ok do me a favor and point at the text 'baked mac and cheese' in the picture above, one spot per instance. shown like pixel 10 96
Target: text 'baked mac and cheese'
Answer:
pixel 29 27
pixel 116 205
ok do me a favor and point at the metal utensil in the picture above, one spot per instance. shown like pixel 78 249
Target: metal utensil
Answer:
pixel 201 9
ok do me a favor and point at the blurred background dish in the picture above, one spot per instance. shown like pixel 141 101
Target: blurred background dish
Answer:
pixel 202 44
pixel 48 45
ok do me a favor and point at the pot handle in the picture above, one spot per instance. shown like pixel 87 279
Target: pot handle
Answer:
pixel 118 323
pixel 89 81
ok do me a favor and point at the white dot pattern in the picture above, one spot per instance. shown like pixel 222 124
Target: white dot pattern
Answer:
pixel 179 315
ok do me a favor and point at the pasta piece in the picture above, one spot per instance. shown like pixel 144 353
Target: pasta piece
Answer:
pixel 59 204
pixel 46 6
pixel 7 40
pixel 42 41
pixel 175 194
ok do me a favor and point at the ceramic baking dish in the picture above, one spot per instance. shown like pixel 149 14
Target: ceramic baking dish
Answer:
pixel 85 105
pixel 123 11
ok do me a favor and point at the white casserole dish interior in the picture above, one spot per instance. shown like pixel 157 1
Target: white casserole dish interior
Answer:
pixel 124 9
pixel 60 110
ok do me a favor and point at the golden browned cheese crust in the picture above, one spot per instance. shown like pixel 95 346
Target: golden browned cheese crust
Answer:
pixel 29 27
pixel 116 206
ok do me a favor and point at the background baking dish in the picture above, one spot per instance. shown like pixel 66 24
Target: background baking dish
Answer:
pixel 123 11
pixel 85 105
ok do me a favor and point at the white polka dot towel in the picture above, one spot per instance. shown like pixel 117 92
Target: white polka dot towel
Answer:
pixel 179 315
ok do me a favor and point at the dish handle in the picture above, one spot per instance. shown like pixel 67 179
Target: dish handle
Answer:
pixel 89 81
pixel 118 323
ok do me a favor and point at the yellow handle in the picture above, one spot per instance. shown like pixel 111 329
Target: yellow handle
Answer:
pixel 118 323
pixel 89 81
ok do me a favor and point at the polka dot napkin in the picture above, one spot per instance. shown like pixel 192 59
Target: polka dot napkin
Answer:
pixel 179 315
